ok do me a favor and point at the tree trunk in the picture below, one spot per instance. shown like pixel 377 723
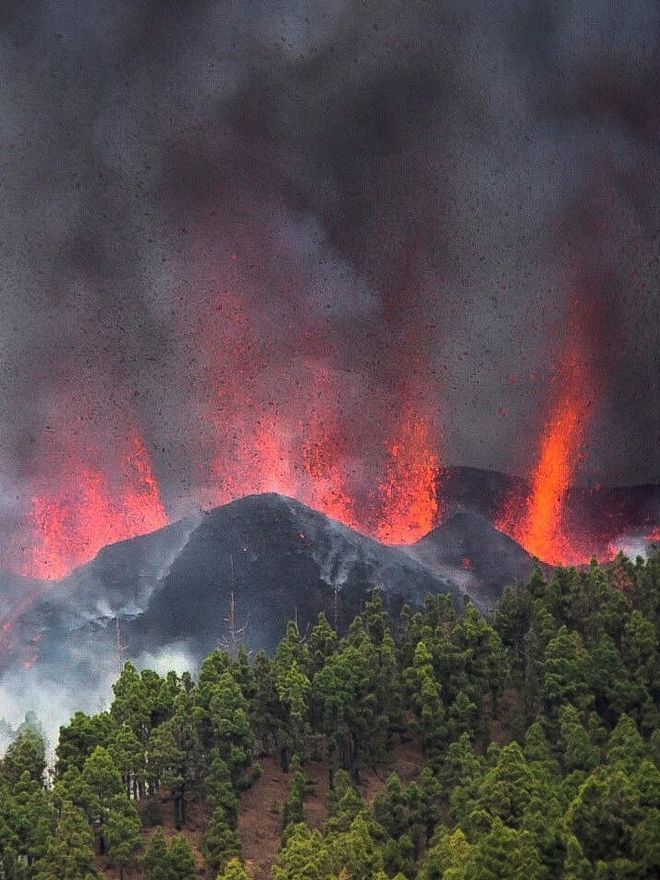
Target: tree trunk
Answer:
pixel 179 809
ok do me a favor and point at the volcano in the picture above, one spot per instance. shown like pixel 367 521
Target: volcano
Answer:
pixel 172 589
pixel 471 551
pixel 164 599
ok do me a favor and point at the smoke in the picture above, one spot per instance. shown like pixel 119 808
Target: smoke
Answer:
pixel 220 213
pixel 62 650
pixel 633 546
pixel 55 692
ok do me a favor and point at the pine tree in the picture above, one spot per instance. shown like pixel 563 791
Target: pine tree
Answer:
pixel 174 755
pixel 181 860
pixel 294 811
pixel 603 815
pixel 221 841
pixel 80 737
pixel 102 789
pixel 305 856
pixel 173 861
pixel 234 871
pixel 128 755
pixel 578 753
pixel 449 857
pixel 123 835
pixel 565 668
pixel 229 714
pixel 576 867
pixel 26 754
pixel 156 859
pixel 70 854
pixel 428 704
pixel 31 816
pixel 390 808
pixel 345 803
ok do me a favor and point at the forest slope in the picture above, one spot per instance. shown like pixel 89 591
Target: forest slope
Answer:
pixel 433 746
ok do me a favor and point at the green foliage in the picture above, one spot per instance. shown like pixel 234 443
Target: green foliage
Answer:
pixel 174 754
pixel 294 811
pixel 80 737
pixel 221 841
pixel 156 861
pixel 123 833
pixel 169 861
pixel 26 754
pixel 565 676
pixel 70 855
pixel 234 871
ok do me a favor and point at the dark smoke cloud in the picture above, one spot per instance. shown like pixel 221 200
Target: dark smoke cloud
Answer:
pixel 405 197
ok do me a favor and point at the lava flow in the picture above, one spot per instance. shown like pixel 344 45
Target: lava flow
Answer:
pixel 541 527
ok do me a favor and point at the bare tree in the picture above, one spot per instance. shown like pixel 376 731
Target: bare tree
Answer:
pixel 121 648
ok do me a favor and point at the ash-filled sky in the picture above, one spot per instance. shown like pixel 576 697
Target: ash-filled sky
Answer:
pixel 217 212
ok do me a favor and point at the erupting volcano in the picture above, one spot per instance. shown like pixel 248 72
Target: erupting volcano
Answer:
pixel 99 502
pixel 310 465
pixel 539 522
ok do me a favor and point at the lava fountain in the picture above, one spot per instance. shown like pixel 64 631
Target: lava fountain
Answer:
pixel 410 506
pixel 541 527
pixel 71 524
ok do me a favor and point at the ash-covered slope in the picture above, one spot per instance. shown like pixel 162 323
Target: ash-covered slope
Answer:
pixel 171 590
pixel 60 647
pixel 280 559
pixel 468 549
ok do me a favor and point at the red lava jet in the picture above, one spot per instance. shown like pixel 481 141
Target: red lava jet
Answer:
pixel 326 490
pixel 308 464
pixel 539 521
pixel 69 526
pixel 410 506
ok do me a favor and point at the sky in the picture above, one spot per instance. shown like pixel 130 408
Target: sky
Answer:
pixel 216 213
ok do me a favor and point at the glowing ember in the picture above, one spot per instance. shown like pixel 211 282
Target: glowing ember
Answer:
pixel 321 455
pixel 272 471
pixel 410 507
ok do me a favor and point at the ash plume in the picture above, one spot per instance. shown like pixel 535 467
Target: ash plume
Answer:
pixel 220 213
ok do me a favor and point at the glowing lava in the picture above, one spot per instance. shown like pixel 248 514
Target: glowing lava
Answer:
pixel 541 528
pixel 322 461
pixel 73 524
pixel 410 506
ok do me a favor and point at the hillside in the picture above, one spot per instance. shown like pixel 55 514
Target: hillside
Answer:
pixel 483 560
pixel 430 746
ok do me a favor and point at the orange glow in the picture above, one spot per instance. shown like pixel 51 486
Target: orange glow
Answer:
pixel 142 504
pixel 72 525
pixel 410 507
pixel 272 471
pixel 253 460
pixel 541 528
pixel 321 456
